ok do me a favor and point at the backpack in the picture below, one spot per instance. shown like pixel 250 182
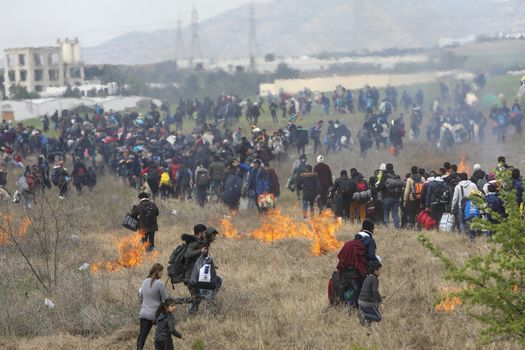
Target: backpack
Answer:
pixel 203 178
pixel 361 185
pixel 312 133
pixel 334 289
pixel 417 189
pixel 232 188
pixel 177 264
pixel 81 171
pixel 165 179
pixel 470 210
pixel 426 221
pixel 346 187
pixel 148 213
pixel 395 185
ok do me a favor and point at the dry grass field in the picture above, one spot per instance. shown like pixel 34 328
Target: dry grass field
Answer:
pixel 274 294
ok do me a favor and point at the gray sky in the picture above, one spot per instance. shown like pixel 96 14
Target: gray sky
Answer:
pixel 41 22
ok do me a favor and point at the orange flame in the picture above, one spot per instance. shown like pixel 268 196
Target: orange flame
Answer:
pixel 449 301
pixel 463 166
pixel 278 226
pixel 7 230
pixel 131 252
pixel 228 229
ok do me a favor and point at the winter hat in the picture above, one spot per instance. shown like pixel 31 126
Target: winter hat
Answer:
pixel 320 159
pixel 476 167
pixel 382 167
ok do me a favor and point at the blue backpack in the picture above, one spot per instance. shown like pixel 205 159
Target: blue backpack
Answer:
pixel 471 211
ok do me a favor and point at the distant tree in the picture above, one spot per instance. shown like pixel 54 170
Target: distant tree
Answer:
pixel 239 69
pixel 2 87
pixel 18 92
pixel 199 67
pixel 191 85
pixel 449 60
pixel 284 71
pixel 269 57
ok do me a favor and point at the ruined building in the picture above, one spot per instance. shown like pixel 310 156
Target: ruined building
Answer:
pixel 37 68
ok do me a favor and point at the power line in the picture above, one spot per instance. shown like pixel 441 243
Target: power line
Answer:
pixel 252 39
pixel 179 41
pixel 195 48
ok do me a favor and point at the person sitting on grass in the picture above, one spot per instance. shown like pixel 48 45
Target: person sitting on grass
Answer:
pixel 370 301
pixel 165 325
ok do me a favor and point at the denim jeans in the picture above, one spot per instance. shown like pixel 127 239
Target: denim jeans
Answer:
pixel 391 204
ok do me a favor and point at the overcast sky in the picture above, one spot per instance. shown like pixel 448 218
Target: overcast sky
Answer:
pixel 41 22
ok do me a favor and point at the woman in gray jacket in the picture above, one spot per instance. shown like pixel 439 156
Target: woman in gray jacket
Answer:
pixel 152 294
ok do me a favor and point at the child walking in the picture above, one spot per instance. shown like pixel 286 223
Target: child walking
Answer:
pixel 370 300
pixel 165 323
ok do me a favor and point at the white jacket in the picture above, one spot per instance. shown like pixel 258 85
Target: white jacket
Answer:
pixel 467 186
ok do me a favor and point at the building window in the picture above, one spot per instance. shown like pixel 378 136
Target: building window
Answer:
pixel 22 59
pixel 11 75
pixel 53 59
pixel 11 60
pixel 38 74
pixel 23 75
pixel 53 74
pixel 39 88
pixel 39 59
pixel 75 72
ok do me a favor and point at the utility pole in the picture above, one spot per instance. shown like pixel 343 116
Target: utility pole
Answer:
pixel 252 39
pixel 179 42
pixel 195 49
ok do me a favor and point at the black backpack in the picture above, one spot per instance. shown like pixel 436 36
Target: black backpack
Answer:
pixel 232 188
pixel 177 264
pixel 346 187
pixel 148 214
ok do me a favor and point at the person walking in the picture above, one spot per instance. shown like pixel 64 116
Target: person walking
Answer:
pixel 165 325
pixel 146 212
pixel 412 195
pixel 152 294
pixel 392 189
pixel 325 178
pixel 310 186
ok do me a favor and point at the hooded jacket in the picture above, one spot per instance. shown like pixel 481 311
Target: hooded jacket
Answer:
pixel 462 190
pixel 370 244
pixel 193 251
pixel 165 327
pixel 411 181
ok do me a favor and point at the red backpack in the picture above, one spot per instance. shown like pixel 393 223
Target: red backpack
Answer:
pixel 361 185
pixel 426 221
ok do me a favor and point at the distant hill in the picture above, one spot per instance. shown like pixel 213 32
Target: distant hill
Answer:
pixel 299 27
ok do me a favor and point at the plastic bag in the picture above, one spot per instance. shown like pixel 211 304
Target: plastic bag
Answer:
pixel 203 275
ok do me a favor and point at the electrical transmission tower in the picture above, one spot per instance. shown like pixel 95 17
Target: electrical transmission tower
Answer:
pixel 179 41
pixel 195 49
pixel 252 40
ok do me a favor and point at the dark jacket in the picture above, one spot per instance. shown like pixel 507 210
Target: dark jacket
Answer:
pixel 325 175
pixel 165 327
pixel 273 180
pixel 370 244
pixel 344 182
pixel 518 186
pixel 310 185
pixel 193 252
pixel 382 184
pixel 370 290
pixel 147 222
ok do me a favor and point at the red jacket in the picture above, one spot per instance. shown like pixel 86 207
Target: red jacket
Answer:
pixel 352 255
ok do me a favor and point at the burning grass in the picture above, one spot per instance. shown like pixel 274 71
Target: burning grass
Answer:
pixel 132 252
pixel 278 226
pixel 8 228
pixel 449 301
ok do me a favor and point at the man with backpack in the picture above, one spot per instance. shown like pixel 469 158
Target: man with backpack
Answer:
pixel 361 196
pixel 343 190
pixel 412 195
pixel 146 212
pixel 461 193
pixel 202 184
pixel 392 188
pixel 310 186
pixel 79 175
pixel 60 178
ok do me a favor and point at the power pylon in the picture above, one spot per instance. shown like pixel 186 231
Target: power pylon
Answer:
pixel 195 49
pixel 252 39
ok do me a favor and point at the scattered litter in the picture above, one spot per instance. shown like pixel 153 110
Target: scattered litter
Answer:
pixel 84 267
pixel 174 212
pixel 49 304
pixel 74 237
